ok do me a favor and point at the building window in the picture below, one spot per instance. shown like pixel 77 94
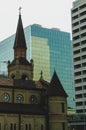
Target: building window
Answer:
pixel 5 97
pixel 78 81
pixel 76 52
pixel 77 66
pixel 79 103
pixel 42 127
pixel 29 126
pixel 0 126
pixel 78 88
pixel 63 126
pixel 75 10
pixel 78 96
pixel 24 77
pixel 19 98
pixel 63 110
pixel 12 126
pixel 26 127
pixel 77 73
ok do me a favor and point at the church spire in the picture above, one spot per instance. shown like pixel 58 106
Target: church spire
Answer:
pixel 20 43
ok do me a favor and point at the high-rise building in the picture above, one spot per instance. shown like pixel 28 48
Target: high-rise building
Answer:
pixel 50 50
pixel 78 17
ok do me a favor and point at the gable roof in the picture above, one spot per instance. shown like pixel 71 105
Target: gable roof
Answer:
pixel 56 88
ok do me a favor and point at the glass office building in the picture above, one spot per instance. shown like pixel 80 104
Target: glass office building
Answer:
pixel 50 50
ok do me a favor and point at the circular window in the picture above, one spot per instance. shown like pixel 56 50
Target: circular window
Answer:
pixel 33 99
pixel 5 97
pixel 19 98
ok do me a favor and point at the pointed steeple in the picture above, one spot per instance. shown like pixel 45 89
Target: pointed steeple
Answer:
pixel 20 67
pixel 56 88
pixel 20 43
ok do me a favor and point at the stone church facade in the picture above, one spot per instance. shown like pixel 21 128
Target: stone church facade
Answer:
pixel 26 104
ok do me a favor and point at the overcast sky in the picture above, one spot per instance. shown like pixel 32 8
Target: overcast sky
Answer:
pixel 48 13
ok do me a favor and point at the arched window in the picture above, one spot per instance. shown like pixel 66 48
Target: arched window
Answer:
pixel 13 76
pixel 24 77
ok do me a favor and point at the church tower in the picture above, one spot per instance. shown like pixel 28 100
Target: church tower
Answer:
pixel 57 103
pixel 20 68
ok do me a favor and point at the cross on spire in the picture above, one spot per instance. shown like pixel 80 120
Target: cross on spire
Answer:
pixel 20 9
pixel 41 75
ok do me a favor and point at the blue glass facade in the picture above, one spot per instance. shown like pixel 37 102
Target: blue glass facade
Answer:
pixel 58 44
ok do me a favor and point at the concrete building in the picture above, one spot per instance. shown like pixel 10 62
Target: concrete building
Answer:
pixel 78 17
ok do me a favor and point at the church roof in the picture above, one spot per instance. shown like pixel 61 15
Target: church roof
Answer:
pixel 56 88
pixel 20 37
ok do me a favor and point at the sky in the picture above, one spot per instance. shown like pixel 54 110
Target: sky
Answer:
pixel 48 13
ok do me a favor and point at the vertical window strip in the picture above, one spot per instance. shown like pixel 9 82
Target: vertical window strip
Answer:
pixel 29 126
pixel 41 126
pixel 0 126
pixel 14 126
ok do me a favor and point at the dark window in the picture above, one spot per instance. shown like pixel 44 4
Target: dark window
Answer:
pixel 13 76
pixel 75 17
pixel 82 6
pixel 76 37
pixel 83 42
pixel 76 45
pixel 77 66
pixel 83 20
pixel 41 127
pixel 29 126
pixel 26 127
pixel 78 88
pixel 84 64
pixel 14 126
pixel 76 52
pixel 75 24
pixel 83 49
pixel 75 10
pixel 83 35
pixel 75 31
pixel 63 126
pixel 79 103
pixel 78 96
pixel 84 79
pixel 24 77
pixel 76 59
pixel 83 13
pixel 77 73
pixel 63 107
pixel 83 27
pixel 84 71
pixel 84 57
pixel 78 81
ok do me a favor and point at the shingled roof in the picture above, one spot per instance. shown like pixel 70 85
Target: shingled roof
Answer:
pixel 56 88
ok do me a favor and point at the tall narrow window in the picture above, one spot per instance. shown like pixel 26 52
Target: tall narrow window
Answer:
pixel 11 126
pixel 63 126
pixel 41 127
pixel 29 126
pixel 26 127
pixel 63 107
pixel 14 126
pixel 0 126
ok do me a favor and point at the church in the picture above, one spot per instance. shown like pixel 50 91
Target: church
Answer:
pixel 26 104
